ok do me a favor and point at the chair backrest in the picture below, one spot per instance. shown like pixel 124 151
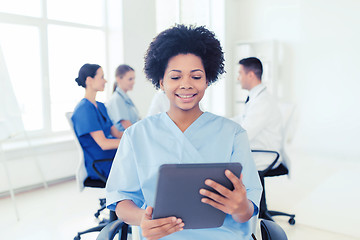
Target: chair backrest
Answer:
pixel 288 112
pixel 113 228
pixel 271 231
pixel 81 173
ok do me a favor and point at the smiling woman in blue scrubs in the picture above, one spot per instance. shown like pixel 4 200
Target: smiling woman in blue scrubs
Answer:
pixel 183 61
pixel 93 127
pixel 120 107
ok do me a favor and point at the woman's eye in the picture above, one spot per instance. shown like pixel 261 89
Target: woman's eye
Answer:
pixel 175 78
pixel 196 77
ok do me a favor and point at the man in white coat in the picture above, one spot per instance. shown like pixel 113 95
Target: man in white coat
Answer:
pixel 261 117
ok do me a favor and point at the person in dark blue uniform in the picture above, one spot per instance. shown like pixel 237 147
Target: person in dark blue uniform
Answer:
pixel 93 127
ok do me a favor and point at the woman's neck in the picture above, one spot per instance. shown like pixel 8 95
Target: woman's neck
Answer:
pixel 91 96
pixel 124 90
pixel 183 119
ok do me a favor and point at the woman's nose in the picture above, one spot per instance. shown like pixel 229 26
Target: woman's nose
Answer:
pixel 185 83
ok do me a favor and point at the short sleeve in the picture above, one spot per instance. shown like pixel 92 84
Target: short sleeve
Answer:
pixel 85 120
pixel 123 182
pixel 117 109
pixel 251 180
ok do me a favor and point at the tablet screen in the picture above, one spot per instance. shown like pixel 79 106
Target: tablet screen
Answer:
pixel 178 194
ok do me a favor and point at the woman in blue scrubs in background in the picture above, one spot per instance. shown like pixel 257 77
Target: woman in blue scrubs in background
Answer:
pixel 183 61
pixel 120 107
pixel 93 127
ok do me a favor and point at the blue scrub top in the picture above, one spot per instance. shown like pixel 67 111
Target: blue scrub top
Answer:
pixel 86 119
pixel 121 107
pixel 157 140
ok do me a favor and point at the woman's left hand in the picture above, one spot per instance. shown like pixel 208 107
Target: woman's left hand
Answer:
pixel 233 202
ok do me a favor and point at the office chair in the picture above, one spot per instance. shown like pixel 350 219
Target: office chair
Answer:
pixel 271 231
pixel 288 112
pixel 270 172
pixel 84 181
pixel 110 231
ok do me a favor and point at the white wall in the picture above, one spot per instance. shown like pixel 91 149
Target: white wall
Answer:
pixel 139 28
pixel 328 90
pixel 115 43
pixel 318 66
pixel 20 163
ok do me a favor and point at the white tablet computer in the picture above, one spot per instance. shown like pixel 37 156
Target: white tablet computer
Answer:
pixel 178 194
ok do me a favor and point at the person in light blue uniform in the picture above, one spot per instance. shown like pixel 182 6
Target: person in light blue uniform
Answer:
pixel 183 61
pixel 120 107
pixel 93 127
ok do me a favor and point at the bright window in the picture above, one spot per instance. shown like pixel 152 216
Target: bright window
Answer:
pixel 90 12
pixel 22 7
pixel 69 49
pixel 44 43
pixel 21 49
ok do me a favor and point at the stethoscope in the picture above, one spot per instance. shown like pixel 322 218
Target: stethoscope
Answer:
pixel 127 100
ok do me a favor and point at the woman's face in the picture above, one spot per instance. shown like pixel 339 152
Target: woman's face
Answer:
pixel 126 82
pixel 184 82
pixel 97 83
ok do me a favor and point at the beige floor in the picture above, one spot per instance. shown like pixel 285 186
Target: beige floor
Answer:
pixel 323 195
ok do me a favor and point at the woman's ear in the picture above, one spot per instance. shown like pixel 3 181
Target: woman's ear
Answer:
pixel 161 82
pixel 88 80
pixel 118 79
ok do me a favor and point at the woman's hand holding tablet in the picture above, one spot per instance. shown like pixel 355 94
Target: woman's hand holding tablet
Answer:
pixel 153 229
pixel 233 202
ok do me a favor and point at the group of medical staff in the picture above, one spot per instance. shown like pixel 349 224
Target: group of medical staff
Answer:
pixel 98 126
pixel 175 131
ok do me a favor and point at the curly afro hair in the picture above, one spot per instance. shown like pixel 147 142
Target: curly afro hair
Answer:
pixel 182 39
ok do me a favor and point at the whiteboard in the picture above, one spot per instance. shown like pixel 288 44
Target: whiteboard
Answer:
pixel 10 114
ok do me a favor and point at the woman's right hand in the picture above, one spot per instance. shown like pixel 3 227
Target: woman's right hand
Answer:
pixel 153 229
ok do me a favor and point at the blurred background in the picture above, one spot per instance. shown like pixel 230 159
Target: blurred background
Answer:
pixel 310 50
